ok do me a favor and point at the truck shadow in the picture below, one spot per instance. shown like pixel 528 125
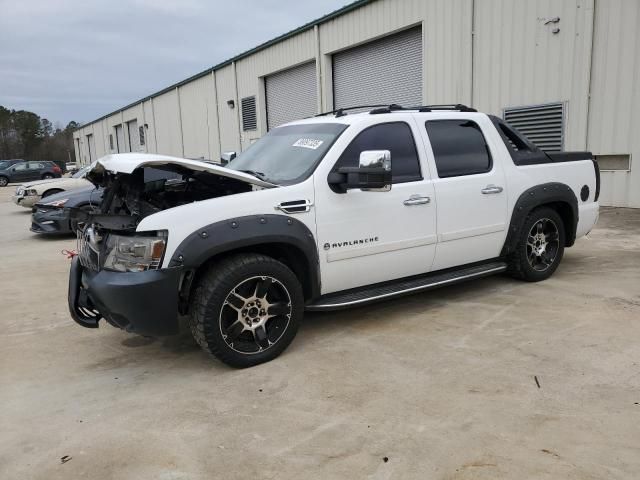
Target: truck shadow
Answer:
pixel 181 351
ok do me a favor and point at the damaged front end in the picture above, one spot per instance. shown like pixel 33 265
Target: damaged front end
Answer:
pixel 117 273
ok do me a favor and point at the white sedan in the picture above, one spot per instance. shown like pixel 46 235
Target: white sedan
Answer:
pixel 28 194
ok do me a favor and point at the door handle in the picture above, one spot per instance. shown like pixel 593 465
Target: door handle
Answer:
pixel 416 200
pixel 491 189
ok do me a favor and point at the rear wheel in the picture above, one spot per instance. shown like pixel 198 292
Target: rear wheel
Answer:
pixel 246 309
pixel 540 247
pixel 47 176
pixel 4 181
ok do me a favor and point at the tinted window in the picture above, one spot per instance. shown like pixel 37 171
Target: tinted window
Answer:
pixel 459 147
pixel 395 137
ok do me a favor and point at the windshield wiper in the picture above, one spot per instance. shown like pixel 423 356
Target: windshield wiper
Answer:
pixel 258 175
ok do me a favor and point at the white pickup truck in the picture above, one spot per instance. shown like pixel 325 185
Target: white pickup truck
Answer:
pixel 329 212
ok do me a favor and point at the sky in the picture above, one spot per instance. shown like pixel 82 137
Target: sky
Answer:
pixel 80 59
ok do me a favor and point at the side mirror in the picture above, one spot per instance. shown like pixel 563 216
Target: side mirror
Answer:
pixel 373 174
pixel 226 157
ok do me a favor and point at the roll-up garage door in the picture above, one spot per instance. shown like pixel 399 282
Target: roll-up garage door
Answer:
pixel 120 139
pixel 91 143
pixel 384 71
pixel 291 94
pixel 134 139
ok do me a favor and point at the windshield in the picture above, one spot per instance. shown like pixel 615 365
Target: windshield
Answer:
pixel 82 172
pixel 288 154
pixel 4 164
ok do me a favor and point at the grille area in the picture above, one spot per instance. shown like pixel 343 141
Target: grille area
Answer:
pixel 89 257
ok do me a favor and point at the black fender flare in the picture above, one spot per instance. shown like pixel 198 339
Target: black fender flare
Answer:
pixel 248 231
pixel 536 196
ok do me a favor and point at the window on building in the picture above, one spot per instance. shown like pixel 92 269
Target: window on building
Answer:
pixel 110 141
pixel 459 147
pixel 543 125
pixel 249 118
pixel 141 134
pixel 395 137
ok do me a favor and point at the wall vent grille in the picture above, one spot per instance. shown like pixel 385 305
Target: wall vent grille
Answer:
pixel 543 125
pixel 249 118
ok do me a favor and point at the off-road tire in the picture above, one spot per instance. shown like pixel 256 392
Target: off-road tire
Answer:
pixel 518 263
pixel 211 292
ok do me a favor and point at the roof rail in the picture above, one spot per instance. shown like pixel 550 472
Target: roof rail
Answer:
pixel 378 109
pixel 340 111
pixel 455 107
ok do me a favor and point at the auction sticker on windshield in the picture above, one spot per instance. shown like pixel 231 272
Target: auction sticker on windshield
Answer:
pixel 311 143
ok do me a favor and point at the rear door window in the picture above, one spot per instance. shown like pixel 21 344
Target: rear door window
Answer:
pixel 459 147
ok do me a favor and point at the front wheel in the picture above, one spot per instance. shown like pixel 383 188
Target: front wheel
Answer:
pixel 540 247
pixel 4 181
pixel 246 309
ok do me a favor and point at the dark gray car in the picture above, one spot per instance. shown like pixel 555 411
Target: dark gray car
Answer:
pixel 27 171
pixel 51 214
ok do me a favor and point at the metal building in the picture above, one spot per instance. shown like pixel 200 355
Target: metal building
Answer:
pixel 564 72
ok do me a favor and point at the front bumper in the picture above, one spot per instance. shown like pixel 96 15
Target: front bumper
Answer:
pixel 26 201
pixel 141 302
pixel 50 221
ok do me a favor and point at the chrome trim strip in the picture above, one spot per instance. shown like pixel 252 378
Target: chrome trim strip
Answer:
pixel 313 307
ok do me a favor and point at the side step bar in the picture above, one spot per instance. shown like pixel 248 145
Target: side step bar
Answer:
pixel 397 288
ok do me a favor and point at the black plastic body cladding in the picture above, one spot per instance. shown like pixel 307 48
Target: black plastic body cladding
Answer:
pixel 243 232
pixel 557 193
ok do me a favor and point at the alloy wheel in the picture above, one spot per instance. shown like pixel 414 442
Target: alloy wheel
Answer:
pixel 255 314
pixel 543 243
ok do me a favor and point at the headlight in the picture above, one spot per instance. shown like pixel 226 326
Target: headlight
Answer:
pixel 31 191
pixel 57 203
pixel 134 253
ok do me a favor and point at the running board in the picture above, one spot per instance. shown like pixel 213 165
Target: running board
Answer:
pixel 397 288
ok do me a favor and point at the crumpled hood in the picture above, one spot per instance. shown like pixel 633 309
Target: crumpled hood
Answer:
pixel 128 162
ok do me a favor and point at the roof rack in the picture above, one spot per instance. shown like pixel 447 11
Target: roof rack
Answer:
pixel 453 107
pixel 340 111
pixel 423 108
pixel 378 109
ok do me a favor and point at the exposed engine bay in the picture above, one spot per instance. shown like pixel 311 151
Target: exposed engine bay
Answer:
pixel 130 197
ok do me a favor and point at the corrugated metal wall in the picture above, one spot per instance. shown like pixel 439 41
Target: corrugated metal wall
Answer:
pixel 614 125
pixel 518 60
pixel 198 114
pixel 492 54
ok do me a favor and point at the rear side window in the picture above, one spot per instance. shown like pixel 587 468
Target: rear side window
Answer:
pixel 459 147
pixel 395 137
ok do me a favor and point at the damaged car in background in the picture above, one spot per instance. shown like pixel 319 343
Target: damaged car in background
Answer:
pixel 52 214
